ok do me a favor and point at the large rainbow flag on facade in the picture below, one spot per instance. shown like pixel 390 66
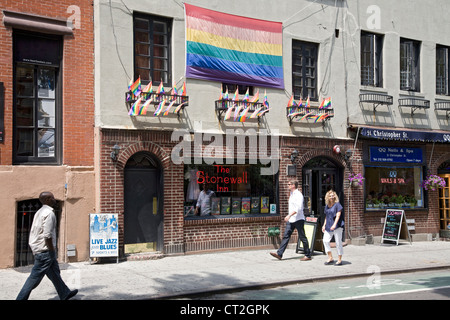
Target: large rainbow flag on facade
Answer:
pixel 233 49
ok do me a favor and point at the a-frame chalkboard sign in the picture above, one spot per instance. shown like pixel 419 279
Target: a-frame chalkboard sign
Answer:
pixel 395 227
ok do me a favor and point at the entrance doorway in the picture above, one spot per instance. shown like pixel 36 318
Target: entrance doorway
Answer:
pixel 444 196
pixel 319 176
pixel 143 204
pixel 444 203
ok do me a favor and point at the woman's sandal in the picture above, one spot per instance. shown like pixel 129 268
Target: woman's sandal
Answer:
pixel 329 262
pixel 338 263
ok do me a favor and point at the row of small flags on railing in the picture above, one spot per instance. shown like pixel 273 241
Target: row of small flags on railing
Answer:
pixel 141 109
pixel 241 112
pixel 306 113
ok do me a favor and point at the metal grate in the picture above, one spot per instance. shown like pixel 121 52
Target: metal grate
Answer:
pixel 25 214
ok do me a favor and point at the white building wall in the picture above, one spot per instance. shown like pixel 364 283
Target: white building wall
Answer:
pixel 307 20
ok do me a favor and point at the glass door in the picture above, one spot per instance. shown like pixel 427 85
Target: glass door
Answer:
pixel 444 203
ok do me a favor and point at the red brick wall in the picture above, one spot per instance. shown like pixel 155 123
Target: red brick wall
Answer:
pixel 78 78
pixel 239 232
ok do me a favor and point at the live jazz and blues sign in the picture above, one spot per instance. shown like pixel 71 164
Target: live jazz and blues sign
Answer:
pixel 104 235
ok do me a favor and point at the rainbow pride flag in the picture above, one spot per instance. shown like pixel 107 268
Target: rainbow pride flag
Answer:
pixel 233 49
pixel 136 87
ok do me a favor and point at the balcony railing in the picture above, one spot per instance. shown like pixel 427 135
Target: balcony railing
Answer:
pixel 414 104
pixel 156 104
pixel 376 99
pixel 240 110
pixel 317 114
pixel 443 106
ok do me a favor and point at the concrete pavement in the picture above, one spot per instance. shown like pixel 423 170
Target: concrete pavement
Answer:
pixel 174 276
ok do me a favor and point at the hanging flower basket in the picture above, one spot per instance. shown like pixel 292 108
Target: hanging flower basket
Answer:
pixel 356 179
pixel 433 182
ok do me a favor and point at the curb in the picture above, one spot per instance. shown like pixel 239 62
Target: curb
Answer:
pixel 268 285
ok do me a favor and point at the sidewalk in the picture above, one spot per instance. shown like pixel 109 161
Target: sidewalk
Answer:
pixel 210 272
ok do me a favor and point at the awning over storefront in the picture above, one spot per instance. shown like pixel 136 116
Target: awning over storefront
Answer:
pixel 382 133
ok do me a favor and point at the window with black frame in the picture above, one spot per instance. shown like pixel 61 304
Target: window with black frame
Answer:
pixel 442 70
pixel 229 190
pixel 371 59
pixel 152 49
pixel 37 99
pixel 409 65
pixel 304 70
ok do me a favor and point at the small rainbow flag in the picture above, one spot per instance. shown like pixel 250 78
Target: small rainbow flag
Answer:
pixel 265 102
pixel 291 102
pixel 174 89
pixel 143 110
pixel 255 97
pixel 148 88
pixel 255 113
pixel 236 95
pixel 178 108
pixel 243 115
pixel 246 97
pixel 326 103
pixel 136 87
pixel 236 112
pixel 228 113
pixel 160 89
pixel 166 112
pixel 159 108
pixel 134 110
pixel 305 116
pixel 262 112
pixel 183 89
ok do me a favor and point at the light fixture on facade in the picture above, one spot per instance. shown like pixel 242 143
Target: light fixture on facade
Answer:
pixel 337 149
pixel 294 155
pixel 115 152
pixel 348 154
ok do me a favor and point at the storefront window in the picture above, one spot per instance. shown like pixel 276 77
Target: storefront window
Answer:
pixel 237 189
pixel 393 187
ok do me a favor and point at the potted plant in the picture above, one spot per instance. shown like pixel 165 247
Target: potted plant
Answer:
pixel 433 182
pixel 376 203
pixel 384 200
pixel 399 200
pixel 356 179
pixel 412 202
pixel 392 201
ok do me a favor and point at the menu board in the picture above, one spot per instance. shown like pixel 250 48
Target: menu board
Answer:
pixel 314 236
pixel 395 226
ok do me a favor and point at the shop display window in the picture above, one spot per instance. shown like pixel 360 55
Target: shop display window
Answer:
pixel 231 190
pixel 393 187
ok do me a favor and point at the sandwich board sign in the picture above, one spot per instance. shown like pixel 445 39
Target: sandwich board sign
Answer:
pixel 103 235
pixel 395 226
pixel 311 230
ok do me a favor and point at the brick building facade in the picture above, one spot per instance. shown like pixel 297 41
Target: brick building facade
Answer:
pixel 49 96
pixel 336 58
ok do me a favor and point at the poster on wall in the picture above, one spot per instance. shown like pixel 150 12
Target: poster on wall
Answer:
pixel 103 235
